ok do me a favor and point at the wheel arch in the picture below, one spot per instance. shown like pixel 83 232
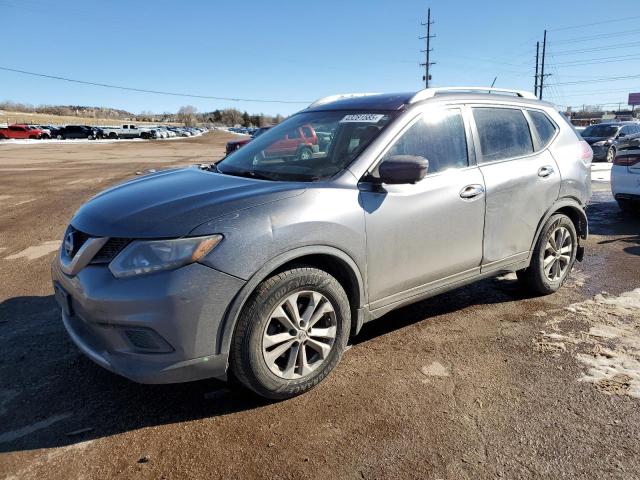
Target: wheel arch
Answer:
pixel 330 259
pixel 571 208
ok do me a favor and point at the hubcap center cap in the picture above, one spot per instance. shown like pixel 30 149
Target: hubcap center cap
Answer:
pixel 302 335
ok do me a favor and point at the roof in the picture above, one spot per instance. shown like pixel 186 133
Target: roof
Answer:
pixel 398 101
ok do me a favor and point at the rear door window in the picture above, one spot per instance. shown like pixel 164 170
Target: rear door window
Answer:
pixel 504 133
pixel 544 127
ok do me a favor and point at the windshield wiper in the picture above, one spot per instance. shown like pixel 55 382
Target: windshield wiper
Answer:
pixel 249 174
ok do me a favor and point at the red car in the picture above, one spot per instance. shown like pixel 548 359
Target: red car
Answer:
pixel 297 143
pixel 234 145
pixel 21 131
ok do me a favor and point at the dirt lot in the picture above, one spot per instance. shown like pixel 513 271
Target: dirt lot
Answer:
pixel 482 382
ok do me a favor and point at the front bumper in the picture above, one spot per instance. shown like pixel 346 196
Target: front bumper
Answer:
pixel 179 313
pixel 600 152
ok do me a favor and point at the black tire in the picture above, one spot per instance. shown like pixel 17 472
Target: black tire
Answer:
pixel 534 277
pixel 246 357
pixel 60 137
pixel 305 153
pixel 2 137
pixel 627 206
pixel 113 135
pixel 611 154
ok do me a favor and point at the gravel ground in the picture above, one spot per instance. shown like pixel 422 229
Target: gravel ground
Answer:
pixel 482 382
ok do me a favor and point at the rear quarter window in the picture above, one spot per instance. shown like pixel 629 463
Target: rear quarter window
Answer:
pixel 545 128
pixel 504 133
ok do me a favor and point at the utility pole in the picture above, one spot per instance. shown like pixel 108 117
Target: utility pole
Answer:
pixel 427 63
pixel 535 82
pixel 544 50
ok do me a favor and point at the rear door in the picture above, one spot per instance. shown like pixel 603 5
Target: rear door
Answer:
pixel 521 177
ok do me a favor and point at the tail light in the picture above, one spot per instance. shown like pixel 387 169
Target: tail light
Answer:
pixel 627 160
pixel 586 154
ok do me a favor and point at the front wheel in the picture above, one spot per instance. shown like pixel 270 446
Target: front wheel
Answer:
pixel 305 153
pixel 611 154
pixel 553 256
pixel 291 334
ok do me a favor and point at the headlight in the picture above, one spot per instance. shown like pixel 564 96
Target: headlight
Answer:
pixel 601 143
pixel 147 256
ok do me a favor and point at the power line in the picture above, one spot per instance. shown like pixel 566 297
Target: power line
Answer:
pixel 577 63
pixel 157 92
pixel 597 80
pixel 600 35
pixel 594 23
pixel 596 49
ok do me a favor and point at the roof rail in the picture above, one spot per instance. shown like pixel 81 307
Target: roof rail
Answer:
pixel 340 96
pixel 432 92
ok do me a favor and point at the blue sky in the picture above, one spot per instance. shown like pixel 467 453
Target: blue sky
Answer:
pixel 286 50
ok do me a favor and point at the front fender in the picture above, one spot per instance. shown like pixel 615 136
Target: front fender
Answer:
pixel 227 326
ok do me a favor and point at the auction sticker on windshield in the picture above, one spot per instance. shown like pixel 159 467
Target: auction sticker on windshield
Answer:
pixel 362 118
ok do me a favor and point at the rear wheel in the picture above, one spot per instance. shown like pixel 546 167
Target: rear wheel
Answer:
pixel 553 256
pixel 60 137
pixel 291 333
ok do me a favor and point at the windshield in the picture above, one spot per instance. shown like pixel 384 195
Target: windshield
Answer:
pixel 600 131
pixel 309 146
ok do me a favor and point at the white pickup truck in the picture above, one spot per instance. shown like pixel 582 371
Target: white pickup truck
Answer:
pixel 125 131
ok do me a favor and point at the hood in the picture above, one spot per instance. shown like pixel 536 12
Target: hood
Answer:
pixel 591 140
pixel 173 202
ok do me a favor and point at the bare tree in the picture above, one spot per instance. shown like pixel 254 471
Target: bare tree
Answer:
pixel 187 115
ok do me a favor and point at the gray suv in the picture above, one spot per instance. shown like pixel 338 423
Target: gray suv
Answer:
pixel 264 264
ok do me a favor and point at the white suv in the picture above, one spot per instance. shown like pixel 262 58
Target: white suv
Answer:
pixel 625 176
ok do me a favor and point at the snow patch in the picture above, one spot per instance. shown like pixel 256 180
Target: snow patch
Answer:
pixel 436 369
pixel 607 343
pixel 36 251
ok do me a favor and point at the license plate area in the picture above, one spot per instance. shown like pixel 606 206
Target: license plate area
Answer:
pixel 63 299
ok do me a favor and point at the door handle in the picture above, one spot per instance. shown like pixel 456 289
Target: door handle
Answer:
pixel 471 191
pixel 545 171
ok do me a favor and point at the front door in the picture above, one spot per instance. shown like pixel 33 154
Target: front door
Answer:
pixel 430 233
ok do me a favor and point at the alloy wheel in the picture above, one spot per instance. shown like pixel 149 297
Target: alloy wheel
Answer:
pixel 611 153
pixel 299 334
pixel 557 254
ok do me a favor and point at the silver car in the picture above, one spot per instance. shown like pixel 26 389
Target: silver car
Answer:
pixel 266 263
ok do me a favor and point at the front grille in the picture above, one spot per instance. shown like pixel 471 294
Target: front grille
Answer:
pixel 78 240
pixel 110 249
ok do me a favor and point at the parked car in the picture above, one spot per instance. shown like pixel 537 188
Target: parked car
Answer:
pixel 607 138
pixel 21 132
pixel 300 142
pixel 625 176
pixel 79 131
pixel 124 131
pixel 266 264
pixel 53 129
pixel 46 133
pixel 233 145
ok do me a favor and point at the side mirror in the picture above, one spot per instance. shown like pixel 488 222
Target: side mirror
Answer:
pixel 622 134
pixel 400 169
